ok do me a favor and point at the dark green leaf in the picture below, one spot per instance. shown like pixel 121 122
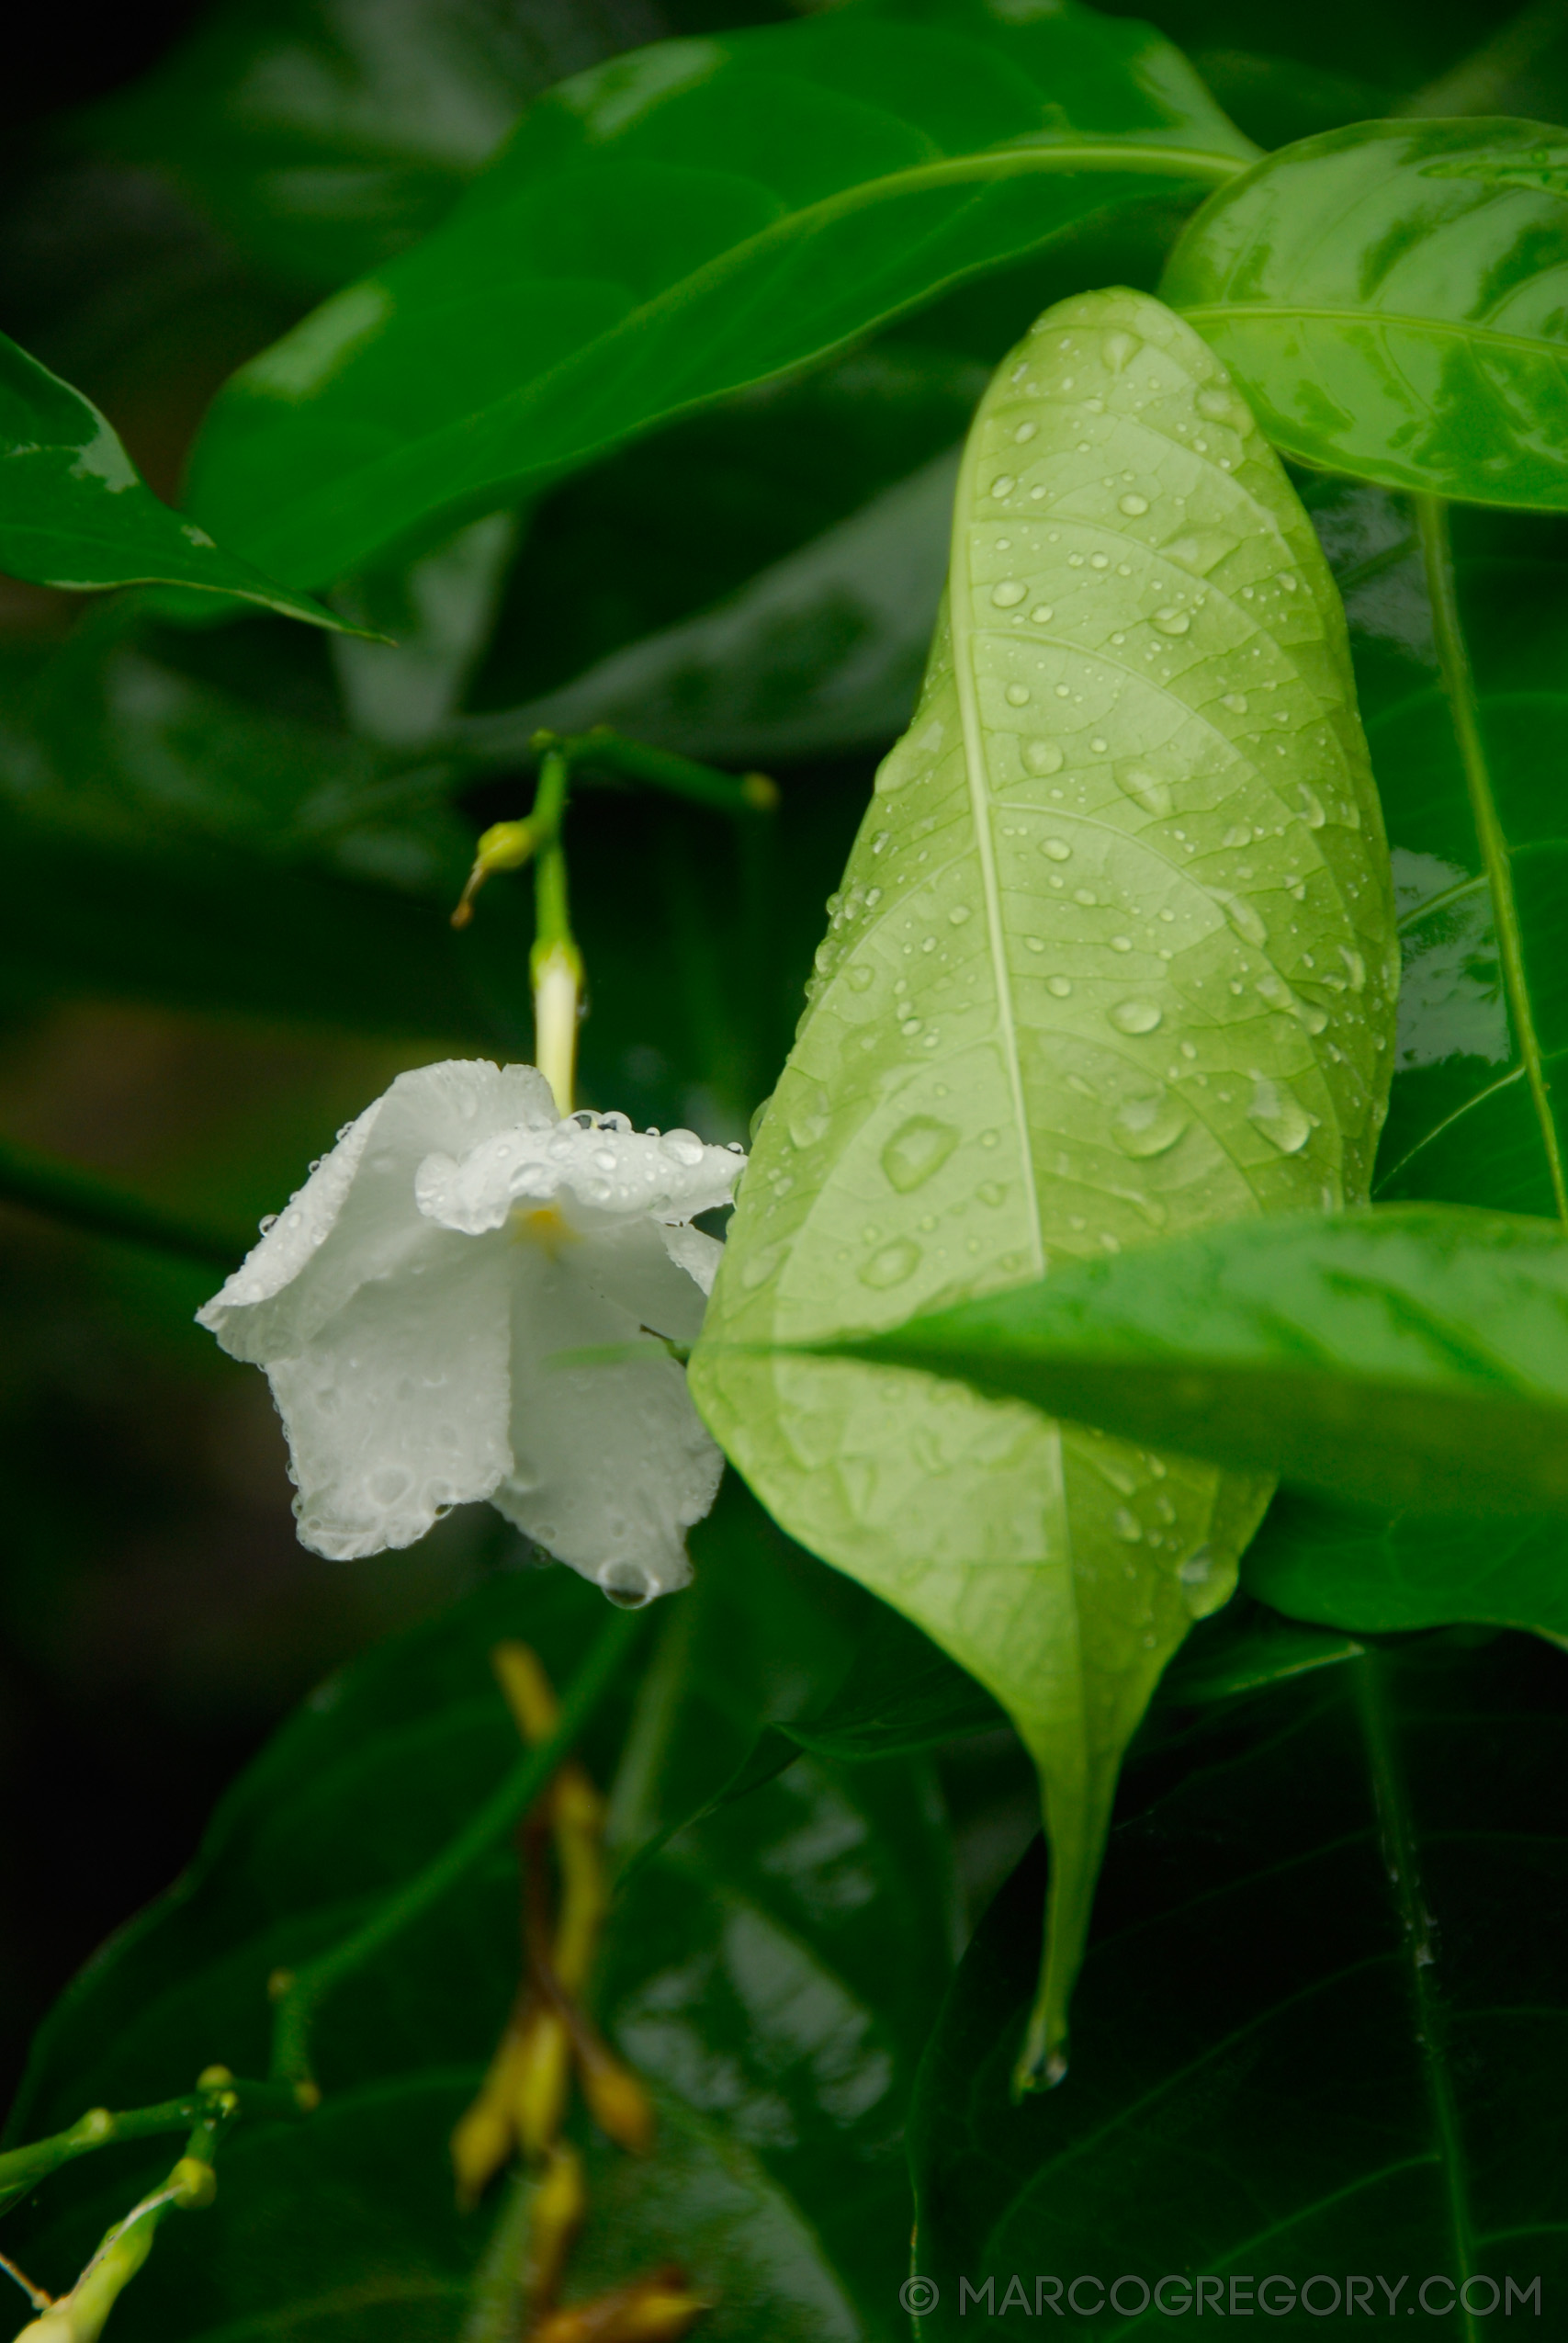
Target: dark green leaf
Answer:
pixel 1321 2026
pixel 675 225
pixel 77 514
pixel 1388 297
pixel 1378 1572
pixel 774 1978
pixel 1419 1355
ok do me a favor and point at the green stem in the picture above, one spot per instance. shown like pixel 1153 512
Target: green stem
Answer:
pixel 301 1992
pixel 752 797
pixel 38 1184
pixel 1402 1860
pixel 1432 520
pixel 22 2169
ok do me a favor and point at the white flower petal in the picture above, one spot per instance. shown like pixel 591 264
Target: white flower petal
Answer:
pixel 697 1253
pixel 399 1406
pixel 355 1216
pixel 629 1264
pixel 584 1165
pixel 612 1465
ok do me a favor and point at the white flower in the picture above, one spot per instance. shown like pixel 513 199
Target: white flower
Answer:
pixel 407 1305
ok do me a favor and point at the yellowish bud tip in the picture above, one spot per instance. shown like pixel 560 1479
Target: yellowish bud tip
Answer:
pixel 481 2142
pixel 544 2075
pixel 619 2105
pixel 760 791
pixel 505 846
pixel 214 2078
pixel 659 2308
pixel 308 2096
pixel 192 2183
pixel 277 1985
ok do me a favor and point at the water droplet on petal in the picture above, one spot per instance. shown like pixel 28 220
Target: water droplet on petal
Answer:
pixel 917 1150
pixel 1149 1125
pixel 1135 1016
pixel 1009 593
pixel 1042 756
pixel 1131 504
pixel 1279 1114
pixel 892 1265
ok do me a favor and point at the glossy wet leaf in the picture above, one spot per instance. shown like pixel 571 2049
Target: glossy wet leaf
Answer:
pixel 1388 296
pixel 1114 957
pixel 77 514
pixel 675 225
pixel 1320 2024
pixel 1417 1355
pixel 774 1978
pixel 1463 1123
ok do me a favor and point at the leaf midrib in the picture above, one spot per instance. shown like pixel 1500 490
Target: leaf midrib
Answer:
pixel 1294 312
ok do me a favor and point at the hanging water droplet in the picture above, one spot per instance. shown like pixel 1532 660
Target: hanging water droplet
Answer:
pixel 1135 1016
pixel 1131 504
pixel 1172 622
pixel 1149 1125
pixel 1042 756
pixel 1145 788
pixel 1279 1114
pixel 1057 848
pixel 917 1150
pixel 1119 349
pixel 1018 695
pixel 1059 985
pixel 892 1265
pixel 1009 593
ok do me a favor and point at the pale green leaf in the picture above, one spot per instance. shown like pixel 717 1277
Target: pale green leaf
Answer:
pixel 1114 958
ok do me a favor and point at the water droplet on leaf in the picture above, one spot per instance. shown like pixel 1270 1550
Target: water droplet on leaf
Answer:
pixel 1135 1016
pixel 1149 1125
pixel 892 1265
pixel 917 1150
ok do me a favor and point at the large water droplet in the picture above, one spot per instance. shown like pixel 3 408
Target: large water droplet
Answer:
pixel 1242 917
pixel 809 1114
pixel 1042 756
pixel 1279 1114
pixel 917 1150
pixel 1009 593
pixel 1149 1125
pixel 1145 788
pixel 892 1265
pixel 1135 1016
pixel 1131 504
pixel 1172 622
